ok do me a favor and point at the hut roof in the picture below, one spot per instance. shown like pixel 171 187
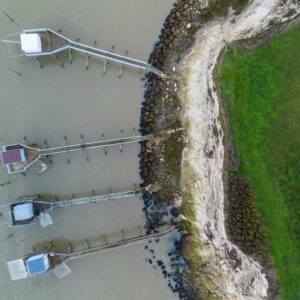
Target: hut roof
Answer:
pixel 37 264
pixel 13 156
pixel 23 211
pixel 31 43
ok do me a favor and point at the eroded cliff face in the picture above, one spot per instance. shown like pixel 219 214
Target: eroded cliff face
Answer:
pixel 227 272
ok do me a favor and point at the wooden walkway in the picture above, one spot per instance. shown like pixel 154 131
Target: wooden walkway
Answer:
pixel 98 144
pixel 123 243
pixel 56 42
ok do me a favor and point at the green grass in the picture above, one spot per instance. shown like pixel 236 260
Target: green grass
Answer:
pixel 262 90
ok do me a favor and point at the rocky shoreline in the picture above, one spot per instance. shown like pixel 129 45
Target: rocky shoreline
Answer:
pixel 161 165
pixel 160 162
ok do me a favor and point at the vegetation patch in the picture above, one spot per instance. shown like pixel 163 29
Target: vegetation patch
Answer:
pixel 261 90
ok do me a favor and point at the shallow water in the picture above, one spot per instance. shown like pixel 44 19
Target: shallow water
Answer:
pixel 49 103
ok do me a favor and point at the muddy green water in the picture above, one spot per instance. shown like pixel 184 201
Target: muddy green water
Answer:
pixel 49 103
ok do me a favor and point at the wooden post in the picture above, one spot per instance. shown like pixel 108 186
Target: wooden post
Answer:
pixel 105 66
pixel 86 61
pixel 104 239
pixel 121 146
pixel 38 62
pixel 10 18
pixel 83 149
pixel 122 66
pixel 120 71
pixel 105 148
pixel 87 244
pixel 14 71
pixel 70 248
pixel 56 59
pixel 65 152
pixel 111 50
pixel 65 141
pixel 50 246
pixel 140 231
pixel 106 62
pixel 70 56
pixel 45 144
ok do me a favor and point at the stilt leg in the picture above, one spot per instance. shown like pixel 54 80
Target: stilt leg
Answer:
pixel 86 61
pixel 120 71
pixel 105 66
pixel 38 62
pixel 16 72
pixel 121 146
pixel 105 148
pixel 56 59
pixel 70 56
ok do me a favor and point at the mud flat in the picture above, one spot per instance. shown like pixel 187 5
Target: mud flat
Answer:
pixel 188 97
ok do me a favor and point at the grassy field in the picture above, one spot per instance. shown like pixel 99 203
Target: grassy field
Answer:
pixel 262 90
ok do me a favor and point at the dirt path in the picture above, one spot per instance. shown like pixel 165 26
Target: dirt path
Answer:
pixel 231 273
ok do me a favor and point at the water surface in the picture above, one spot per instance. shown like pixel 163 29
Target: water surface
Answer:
pixel 49 103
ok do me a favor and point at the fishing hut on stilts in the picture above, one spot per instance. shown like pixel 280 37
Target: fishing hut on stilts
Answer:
pixel 29 211
pixel 41 263
pixel 19 158
pixel 46 42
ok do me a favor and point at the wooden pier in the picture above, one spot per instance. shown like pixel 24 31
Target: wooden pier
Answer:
pixel 98 144
pixel 20 157
pixel 119 244
pixel 56 262
pixel 41 209
pixel 47 42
